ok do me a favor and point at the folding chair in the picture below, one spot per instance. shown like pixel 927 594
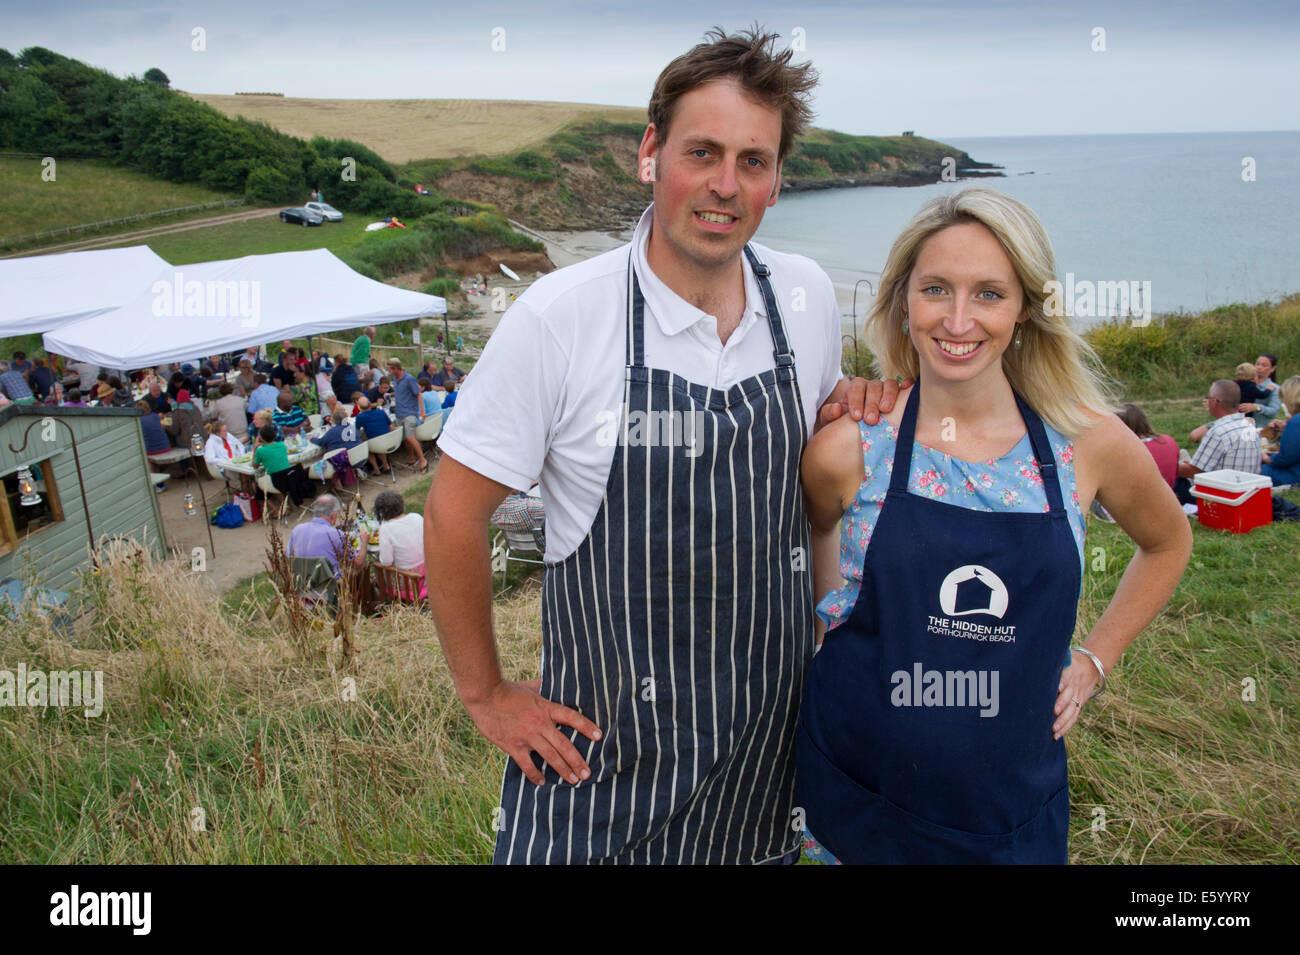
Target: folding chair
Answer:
pixel 264 482
pixel 513 542
pixel 314 579
pixel 387 444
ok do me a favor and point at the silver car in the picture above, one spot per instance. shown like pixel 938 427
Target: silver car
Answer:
pixel 325 211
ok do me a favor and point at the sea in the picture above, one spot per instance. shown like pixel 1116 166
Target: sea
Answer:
pixel 1207 219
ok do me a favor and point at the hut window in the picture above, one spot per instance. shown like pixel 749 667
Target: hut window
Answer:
pixel 18 520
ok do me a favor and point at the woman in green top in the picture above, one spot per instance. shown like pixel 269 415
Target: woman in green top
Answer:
pixel 288 479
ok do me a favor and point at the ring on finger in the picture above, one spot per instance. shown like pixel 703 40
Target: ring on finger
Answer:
pixel 1076 703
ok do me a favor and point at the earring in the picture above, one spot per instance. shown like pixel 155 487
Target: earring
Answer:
pixel 905 326
pixel 1017 341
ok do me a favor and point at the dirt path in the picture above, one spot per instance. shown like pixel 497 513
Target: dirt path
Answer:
pixel 143 234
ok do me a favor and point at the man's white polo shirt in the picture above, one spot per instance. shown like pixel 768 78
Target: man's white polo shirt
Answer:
pixel 538 404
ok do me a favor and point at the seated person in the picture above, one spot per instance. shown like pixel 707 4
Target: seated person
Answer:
pixel 1231 441
pixel 344 381
pixel 246 380
pixel 41 380
pixel 155 438
pixel 20 363
pixel 1245 378
pixel 157 399
pixel 1284 466
pixel 427 372
pixel 265 395
pixel 449 399
pixel 219 365
pixel 120 396
pixel 222 446
pixel 1266 401
pixel 186 420
pixel 288 479
pixel 382 393
pixel 521 511
pixel 288 417
pixel 73 399
pixel 431 397
pixel 371 423
pixel 284 374
pixel 340 436
pixel 449 374
pixel 1162 447
pixel 231 409
pixel 13 384
pixel 322 537
pixel 262 420
pixel 401 537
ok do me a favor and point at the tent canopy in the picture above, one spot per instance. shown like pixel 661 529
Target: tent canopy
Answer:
pixel 213 307
pixel 42 292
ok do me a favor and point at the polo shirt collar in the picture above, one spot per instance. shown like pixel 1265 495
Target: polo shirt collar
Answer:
pixel 673 313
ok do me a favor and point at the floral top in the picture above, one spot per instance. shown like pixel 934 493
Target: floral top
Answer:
pixel 1010 483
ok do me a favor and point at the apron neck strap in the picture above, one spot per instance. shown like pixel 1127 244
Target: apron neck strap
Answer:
pixel 635 350
pixel 1037 439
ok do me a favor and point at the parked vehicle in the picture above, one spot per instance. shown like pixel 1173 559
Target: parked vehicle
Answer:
pixel 300 216
pixel 325 211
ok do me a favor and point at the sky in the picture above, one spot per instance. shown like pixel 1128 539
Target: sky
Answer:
pixel 944 69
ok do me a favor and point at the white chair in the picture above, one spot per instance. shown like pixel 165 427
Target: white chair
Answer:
pixel 510 544
pixel 359 455
pixel 430 428
pixel 387 444
pixel 264 482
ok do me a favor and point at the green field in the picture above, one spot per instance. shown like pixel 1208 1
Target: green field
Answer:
pixel 259 236
pixel 86 191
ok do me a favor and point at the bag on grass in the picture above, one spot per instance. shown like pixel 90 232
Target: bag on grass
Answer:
pixel 228 516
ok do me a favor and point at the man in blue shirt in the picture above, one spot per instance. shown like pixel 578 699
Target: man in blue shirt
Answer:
pixel 14 386
pixel 322 537
pixel 263 395
pixel 371 423
pixel 408 406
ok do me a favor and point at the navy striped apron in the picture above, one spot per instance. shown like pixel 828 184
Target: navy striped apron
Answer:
pixel 682 626
pixel 925 734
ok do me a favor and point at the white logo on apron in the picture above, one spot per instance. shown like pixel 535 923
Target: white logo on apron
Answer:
pixel 985 591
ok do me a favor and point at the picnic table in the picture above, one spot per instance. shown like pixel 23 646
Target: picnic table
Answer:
pixel 300 452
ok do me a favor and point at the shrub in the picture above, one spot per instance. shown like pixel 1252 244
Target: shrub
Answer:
pixel 442 287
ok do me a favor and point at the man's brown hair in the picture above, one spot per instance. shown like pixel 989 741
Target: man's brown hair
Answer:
pixel 747 56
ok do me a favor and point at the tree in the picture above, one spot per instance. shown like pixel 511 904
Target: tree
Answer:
pixel 157 77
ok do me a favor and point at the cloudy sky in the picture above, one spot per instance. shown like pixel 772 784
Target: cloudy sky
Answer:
pixel 947 70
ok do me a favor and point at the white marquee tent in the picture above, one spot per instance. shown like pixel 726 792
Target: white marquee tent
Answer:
pixel 207 308
pixel 39 293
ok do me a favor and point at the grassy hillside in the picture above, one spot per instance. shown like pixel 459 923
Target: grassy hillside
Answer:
pixel 84 191
pixel 402 130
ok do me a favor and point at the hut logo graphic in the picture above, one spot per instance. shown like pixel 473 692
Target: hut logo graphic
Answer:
pixel 973 589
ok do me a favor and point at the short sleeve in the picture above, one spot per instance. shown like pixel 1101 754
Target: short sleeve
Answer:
pixel 506 408
pixel 833 370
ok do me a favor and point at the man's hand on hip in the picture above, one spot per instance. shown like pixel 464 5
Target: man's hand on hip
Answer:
pixel 517 720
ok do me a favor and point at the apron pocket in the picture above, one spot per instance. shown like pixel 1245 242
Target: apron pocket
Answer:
pixel 862 827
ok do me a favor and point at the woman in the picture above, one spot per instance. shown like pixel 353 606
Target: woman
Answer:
pixel 401 537
pixel 1265 409
pixel 155 438
pixel 231 410
pixel 431 397
pixel 244 383
pixel 341 436
pixel 304 392
pixel 273 456
pixel 222 446
pixel 933 715
pixel 1284 466
pixel 1163 448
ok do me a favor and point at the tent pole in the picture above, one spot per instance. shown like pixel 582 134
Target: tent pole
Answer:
pixel 314 386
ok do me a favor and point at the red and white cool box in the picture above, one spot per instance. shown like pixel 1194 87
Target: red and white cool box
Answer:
pixel 1233 500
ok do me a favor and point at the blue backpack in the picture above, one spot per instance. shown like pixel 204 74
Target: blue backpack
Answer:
pixel 228 515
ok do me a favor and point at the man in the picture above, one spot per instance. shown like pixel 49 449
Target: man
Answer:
pixel 321 537
pixel 219 364
pixel 428 372
pixel 264 395
pixel 284 374
pixel 677 613
pixel 344 382
pixel 85 372
pixel 361 348
pixel 408 408
pixel 449 373
pixel 13 384
pixel 158 401
pixel 371 422
pixel 1231 441
pixel 287 416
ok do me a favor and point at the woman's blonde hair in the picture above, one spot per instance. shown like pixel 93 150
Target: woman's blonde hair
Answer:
pixel 1057 373
pixel 1289 392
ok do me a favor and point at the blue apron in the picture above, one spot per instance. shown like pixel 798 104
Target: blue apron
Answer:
pixel 681 626
pixel 925 733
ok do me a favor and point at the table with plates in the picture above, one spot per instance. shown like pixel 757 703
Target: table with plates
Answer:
pixel 301 451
